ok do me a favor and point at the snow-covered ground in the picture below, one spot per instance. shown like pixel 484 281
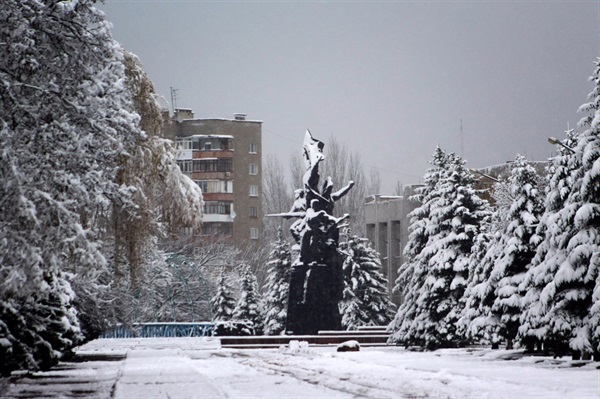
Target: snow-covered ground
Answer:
pixel 198 368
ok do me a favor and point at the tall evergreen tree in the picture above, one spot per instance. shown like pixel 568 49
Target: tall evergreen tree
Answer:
pixel 572 298
pixel 277 286
pixel 430 314
pixel 475 323
pixel 411 274
pixel 534 329
pixel 223 302
pixel 248 306
pixel 365 300
pixel 518 248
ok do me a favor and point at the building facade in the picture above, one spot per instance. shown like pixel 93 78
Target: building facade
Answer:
pixel 387 222
pixel 224 157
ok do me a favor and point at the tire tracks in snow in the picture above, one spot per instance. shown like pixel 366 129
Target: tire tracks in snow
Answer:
pixel 344 382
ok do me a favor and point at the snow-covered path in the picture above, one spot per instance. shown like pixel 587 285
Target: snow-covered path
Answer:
pixel 197 368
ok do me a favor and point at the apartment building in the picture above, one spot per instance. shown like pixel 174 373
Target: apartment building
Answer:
pixel 224 157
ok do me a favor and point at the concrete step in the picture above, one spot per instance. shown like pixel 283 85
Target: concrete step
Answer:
pixel 372 328
pixel 354 332
pixel 278 340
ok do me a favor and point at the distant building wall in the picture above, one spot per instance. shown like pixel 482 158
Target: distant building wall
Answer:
pixel 387 222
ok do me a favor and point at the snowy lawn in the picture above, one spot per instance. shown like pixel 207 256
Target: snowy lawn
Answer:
pixel 198 368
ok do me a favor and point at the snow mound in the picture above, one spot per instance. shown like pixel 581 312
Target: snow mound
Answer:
pixel 295 346
pixel 349 346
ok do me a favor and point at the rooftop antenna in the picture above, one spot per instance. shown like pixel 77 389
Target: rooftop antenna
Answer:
pixel 174 99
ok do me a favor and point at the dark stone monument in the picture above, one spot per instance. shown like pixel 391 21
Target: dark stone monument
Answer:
pixel 316 282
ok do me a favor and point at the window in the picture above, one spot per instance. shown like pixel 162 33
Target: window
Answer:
pixel 185 166
pixel 253 148
pixel 253 212
pixel 215 186
pixel 254 233
pixel 184 144
pixel 213 229
pixel 253 190
pixel 217 208
pixel 213 165
pixel 207 146
pixel 253 169
pixel 209 229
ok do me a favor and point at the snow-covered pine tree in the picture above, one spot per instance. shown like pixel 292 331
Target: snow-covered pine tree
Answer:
pixel 411 273
pixel 365 301
pixel 533 329
pixel 223 302
pixel 248 306
pixel 64 118
pixel 572 298
pixel 520 245
pixel 277 286
pixel 429 315
pixel 476 322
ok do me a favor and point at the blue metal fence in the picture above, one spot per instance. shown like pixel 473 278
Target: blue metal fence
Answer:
pixel 156 330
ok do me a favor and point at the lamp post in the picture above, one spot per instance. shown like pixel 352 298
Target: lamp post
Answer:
pixel 555 141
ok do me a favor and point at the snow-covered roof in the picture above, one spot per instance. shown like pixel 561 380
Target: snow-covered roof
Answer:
pixel 220 119
pixel 382 198
pixel 209 136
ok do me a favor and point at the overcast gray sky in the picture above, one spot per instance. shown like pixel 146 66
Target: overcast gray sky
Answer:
pixel 392 79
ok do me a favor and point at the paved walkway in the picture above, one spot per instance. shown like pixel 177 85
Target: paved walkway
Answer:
pixel 162 374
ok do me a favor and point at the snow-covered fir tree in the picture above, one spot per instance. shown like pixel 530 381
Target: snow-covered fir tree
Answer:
pixel 223 302
pixel 277 287
pixel 571 301
pixel 456 213
pixel 248 305
pixel 411 272
pixel 476 322
pixel 533 329
pixel 518 246
pixel 366 300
